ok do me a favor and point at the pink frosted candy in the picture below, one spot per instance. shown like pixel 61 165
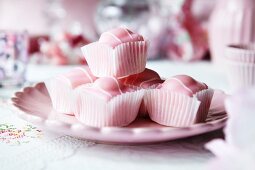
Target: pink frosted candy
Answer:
pixel 180 101
pixel 107 102
pixel 61 88
pixel 78 76
pixel 183 84
pixel 106 88
pixel 109 84
pixel 145 79
pixel 118 53
pixel 119 35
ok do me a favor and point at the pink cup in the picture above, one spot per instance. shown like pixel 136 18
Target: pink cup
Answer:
pixel 240 61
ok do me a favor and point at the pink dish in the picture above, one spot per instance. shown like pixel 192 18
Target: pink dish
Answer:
pixel 33 104
pixel 118 36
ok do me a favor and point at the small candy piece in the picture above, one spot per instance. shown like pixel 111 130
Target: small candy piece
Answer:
pixel 180 101
pixel 107 102
pixel 145 79
pixel 118 53
pixel 119 35
pixel 183 84
pixel 78 76
pixel 106 88
pixel 61 88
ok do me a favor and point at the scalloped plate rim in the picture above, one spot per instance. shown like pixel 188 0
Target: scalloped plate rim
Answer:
pixel 163 133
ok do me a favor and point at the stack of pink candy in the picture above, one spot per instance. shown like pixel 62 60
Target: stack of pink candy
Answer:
pixel 117 88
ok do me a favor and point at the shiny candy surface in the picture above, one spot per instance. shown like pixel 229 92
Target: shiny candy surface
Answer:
pixel 183 84
pixel 145 79
pixel 106 88
pixel 119 35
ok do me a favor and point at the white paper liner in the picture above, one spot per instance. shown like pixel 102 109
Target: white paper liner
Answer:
pixel 143 109
pixel 177 110
pixel 121 110
pixel 241 53
pixel 205 97
pixel 123 60
pixel 61 95
pixel 240 75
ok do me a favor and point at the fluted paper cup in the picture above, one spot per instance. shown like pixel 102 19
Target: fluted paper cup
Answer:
pixel 205 97
pixel 143 109
pixel 178 110
pixel 243 53
pixel 61 95
pixel 240 75
pixel 121 110
pixel 60 88
pixel 123 60
pixel 240 61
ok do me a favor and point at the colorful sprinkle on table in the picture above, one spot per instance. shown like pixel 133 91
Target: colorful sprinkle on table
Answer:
pixel 10 134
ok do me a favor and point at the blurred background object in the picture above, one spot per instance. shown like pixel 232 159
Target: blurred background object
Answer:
pixel 232 22
pixel 140 16
pixel 237 151
pixel 34 16
pixel 186 39
pixel 13 57
pixel 57 28
pixel 240 65
pixel 177 29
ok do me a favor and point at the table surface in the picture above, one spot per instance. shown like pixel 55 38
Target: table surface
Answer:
pixel 25 146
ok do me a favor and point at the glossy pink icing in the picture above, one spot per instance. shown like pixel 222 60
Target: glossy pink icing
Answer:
pixel 144 79
pixel 106 88
pixel 183 84
pixel 119 35
pixel 78 76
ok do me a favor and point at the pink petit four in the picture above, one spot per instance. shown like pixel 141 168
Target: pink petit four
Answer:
pixel 118 53
pixel 118 36
pixel 61 88
pixel 146 79
pixel 180 102
pixel 105 88
pixel 183 84
pixel 107 102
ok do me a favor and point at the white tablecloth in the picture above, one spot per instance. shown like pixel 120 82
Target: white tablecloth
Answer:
pixel 25 146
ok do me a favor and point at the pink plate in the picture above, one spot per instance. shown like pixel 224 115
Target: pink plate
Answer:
pixel 33 104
